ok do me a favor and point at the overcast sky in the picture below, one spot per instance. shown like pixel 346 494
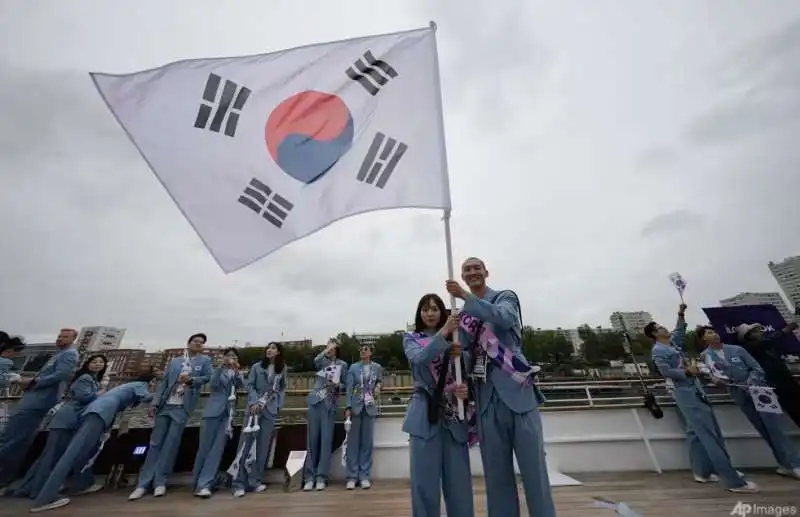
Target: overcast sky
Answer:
pixel 594 148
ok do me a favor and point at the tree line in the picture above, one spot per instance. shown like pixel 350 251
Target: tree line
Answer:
pixel 548 348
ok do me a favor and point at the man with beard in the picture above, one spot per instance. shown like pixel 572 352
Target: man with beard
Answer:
pixel 509 423
pixel 42 393
pixel 766 349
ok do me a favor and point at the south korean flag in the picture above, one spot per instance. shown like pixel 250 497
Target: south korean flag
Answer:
pixel 765 400
pixel 332 373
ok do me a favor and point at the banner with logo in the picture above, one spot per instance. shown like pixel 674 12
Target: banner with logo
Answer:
pixel 726 319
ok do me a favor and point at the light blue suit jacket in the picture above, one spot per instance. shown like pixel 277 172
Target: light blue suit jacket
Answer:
pixel 667 359
pixel 220 385
pixel 416 420
pixel 81 392
pixel 200 374
pixel 57 371
pixel 355 388
pixel 6 367
pixel 503 318
pixel 738 365
pixel 259 383
pixel 320 362
pixel 115 400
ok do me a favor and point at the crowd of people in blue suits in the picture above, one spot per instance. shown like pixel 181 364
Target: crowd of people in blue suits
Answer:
pixel 471 384
pixel 82 414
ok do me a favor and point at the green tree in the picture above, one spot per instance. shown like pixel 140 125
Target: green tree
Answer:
pixel 249 355
pixel 389 352
pixel 691 344
pixel 592 346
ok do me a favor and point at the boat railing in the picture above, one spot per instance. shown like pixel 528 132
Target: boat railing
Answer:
pixel 560 396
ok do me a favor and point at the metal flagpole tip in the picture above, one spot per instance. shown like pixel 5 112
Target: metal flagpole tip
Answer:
pixel 433 25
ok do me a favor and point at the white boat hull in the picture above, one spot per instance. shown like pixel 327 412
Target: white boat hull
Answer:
pixel 607 440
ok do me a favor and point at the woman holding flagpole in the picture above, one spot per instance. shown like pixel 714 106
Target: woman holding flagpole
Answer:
pixel 217 422
pixel 266 391
pixel 741 371
pixel 439 442
pixel 322 404
pixel 83 390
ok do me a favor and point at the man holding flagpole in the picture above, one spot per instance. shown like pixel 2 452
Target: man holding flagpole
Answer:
pixel 509 423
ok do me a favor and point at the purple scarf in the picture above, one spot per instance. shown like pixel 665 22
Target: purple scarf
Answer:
pixel 424 340
pixel 502 357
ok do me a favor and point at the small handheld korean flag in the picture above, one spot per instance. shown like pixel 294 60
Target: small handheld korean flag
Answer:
pixel 765 400
pixel 259 151
pixel 679 283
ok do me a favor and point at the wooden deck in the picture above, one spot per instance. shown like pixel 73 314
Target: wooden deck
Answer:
pixel 672 494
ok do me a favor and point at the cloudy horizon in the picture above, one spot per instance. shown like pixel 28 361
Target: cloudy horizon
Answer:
pixel 592 152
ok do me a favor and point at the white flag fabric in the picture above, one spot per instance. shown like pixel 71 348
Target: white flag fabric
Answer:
pixel 259 151
pixel 765 400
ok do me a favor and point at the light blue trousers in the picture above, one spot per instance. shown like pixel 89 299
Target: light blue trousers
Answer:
pixel 319 442
pixel 165 440
pixel 68 469
pixel 213 438
pixel 770 427
pixel 57 443
pixel 504 434
pixel 707 452
pixel 249 482
pixel 360 442
pixel 17 438
pixel 440 465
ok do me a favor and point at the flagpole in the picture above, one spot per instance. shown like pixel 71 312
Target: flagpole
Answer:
pixel 448 240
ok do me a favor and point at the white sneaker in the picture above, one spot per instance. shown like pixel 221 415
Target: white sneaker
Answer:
pixel 91 490
pixel 320 485
pixel 350 484
pixel 713 478
pixel 159 491
pixel 365 484
pixel 51 506
pixel 137 494
pixel 260 488
pixel 308 487
pixel 792 473
pixel 239 492
pixel 749 488
pixel 205 493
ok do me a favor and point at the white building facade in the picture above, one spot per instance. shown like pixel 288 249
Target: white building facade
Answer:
pixel 96 339
pixel 759 299
pixel 633 322
pixel 787 274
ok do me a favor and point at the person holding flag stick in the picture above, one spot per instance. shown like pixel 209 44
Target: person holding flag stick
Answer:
pixel 707 453
pixel 217 426
pixel 438 439
pixel 733 367
pixel 509 423
pixel 266 392
pixel 322 404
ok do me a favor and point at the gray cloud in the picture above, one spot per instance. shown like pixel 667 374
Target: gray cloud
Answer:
pixel 671 222
pixel 552 113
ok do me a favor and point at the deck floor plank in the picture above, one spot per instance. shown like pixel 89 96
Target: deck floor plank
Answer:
pixel 672 494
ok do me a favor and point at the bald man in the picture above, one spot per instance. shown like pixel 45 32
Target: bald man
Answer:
pixel 42 393
pixel 507 400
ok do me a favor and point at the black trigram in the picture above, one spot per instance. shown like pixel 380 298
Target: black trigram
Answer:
pixel 369 66
pixel 230 103
pixel 382 158
pixel 262 200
